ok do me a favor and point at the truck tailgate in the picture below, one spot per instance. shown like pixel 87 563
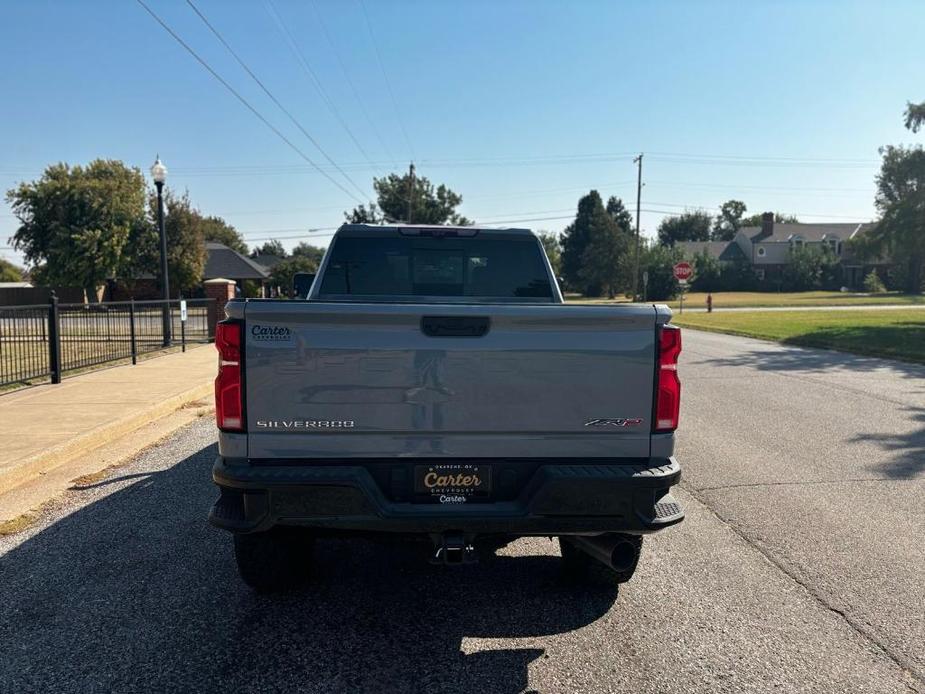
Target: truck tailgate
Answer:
pixel 346 380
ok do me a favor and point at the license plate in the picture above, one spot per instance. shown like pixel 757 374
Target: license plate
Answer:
pixel 444 481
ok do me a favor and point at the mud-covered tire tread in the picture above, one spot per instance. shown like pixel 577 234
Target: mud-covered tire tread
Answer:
pixel 276 560
pixel 580 567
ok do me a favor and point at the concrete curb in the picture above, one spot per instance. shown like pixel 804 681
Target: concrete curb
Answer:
pixel 36 466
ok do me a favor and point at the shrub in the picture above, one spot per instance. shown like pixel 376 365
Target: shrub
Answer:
pixel 873 284
pixel 659 262
pixel 810 268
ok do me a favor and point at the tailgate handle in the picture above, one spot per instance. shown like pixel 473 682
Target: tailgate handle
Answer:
pixel 455 326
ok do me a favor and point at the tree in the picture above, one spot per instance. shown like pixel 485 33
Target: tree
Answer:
pixel 75 221
pixel 915 116
pixel 184 227
pixel 363 214
pixel 755 220
pixel 306 250
pixel 659 261
pixel 430 204
pixel 728 220
pixel 690 225
pixel 218 230
pixel 900 199
pixel 284 271
pixel 553 249
pixel 708 273
pixel 619 213
pixel 809 268
pixel 10 272
pixel 271 247
pixel 592 222
pixel 603 261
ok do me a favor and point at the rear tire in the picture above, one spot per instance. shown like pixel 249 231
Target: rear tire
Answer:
pixel 275 560
pixel 580 567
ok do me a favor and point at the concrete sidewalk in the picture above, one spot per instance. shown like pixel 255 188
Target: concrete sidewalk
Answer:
pixel 44 427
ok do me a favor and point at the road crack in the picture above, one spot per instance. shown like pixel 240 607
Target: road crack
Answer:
pixel 803 483
pixel 908 668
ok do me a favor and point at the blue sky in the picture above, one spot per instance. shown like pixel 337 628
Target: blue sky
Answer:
pixel 519 106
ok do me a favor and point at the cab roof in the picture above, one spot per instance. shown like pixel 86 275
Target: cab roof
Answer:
pixel 380 230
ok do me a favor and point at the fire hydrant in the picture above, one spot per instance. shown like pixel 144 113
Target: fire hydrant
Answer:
pixel 709 303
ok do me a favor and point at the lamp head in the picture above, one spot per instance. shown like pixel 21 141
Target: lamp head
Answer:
pixel 158 171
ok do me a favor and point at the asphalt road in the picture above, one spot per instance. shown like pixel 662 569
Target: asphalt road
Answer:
pixel 800 568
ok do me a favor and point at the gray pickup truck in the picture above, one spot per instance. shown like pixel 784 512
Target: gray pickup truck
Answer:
pixel 432 384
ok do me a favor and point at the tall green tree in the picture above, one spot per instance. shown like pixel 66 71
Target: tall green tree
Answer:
pixel 10 272
pixel 618 212
pixel 184 227
pixel 430 204
pixel 603 263
pixel 75 221
pixel 900 200
pixel 728 221
pixel 690 225
pixel 218 230
pixel 553 249
pixel 593 228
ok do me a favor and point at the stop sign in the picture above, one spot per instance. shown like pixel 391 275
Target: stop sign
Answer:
pixel 683 271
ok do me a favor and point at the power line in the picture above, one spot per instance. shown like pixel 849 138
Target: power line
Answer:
pixel 855 160
pixel 512 218
pixel 356 94
pixel 307 69
pixel 245 101
pixel 385 77
pixel 728 186
pixel 272 97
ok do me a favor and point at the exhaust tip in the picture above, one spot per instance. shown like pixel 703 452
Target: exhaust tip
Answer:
pixel 623 555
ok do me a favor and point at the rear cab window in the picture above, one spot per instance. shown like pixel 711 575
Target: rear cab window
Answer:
pixel 502 267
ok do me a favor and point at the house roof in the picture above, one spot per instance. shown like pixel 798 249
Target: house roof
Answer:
pixel 726 251
pixel 222 261
pixel 266 260
pixel 808 232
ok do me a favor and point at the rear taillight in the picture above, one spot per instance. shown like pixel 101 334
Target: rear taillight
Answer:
pixel 668 393
pixel 228 404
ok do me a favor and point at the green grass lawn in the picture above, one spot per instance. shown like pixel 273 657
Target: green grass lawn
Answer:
pixel 794 299
pixel 898 334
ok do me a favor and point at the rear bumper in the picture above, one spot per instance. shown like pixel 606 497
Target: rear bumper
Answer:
pixel 582 497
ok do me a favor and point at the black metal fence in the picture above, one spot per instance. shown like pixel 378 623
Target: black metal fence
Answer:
pixel 46 341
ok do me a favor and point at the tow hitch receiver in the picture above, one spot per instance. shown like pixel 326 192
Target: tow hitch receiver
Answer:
pixel 453 548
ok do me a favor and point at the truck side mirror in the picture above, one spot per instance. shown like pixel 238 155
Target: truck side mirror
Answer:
pixel 302 283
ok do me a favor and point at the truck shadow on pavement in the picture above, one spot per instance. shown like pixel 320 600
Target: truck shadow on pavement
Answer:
pixel 907 449
pixel 135 591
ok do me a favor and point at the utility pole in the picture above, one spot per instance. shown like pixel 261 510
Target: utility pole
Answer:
pixel 410 192
pixel 638 161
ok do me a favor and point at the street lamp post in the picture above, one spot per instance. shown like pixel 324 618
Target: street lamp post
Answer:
pixel 159 174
